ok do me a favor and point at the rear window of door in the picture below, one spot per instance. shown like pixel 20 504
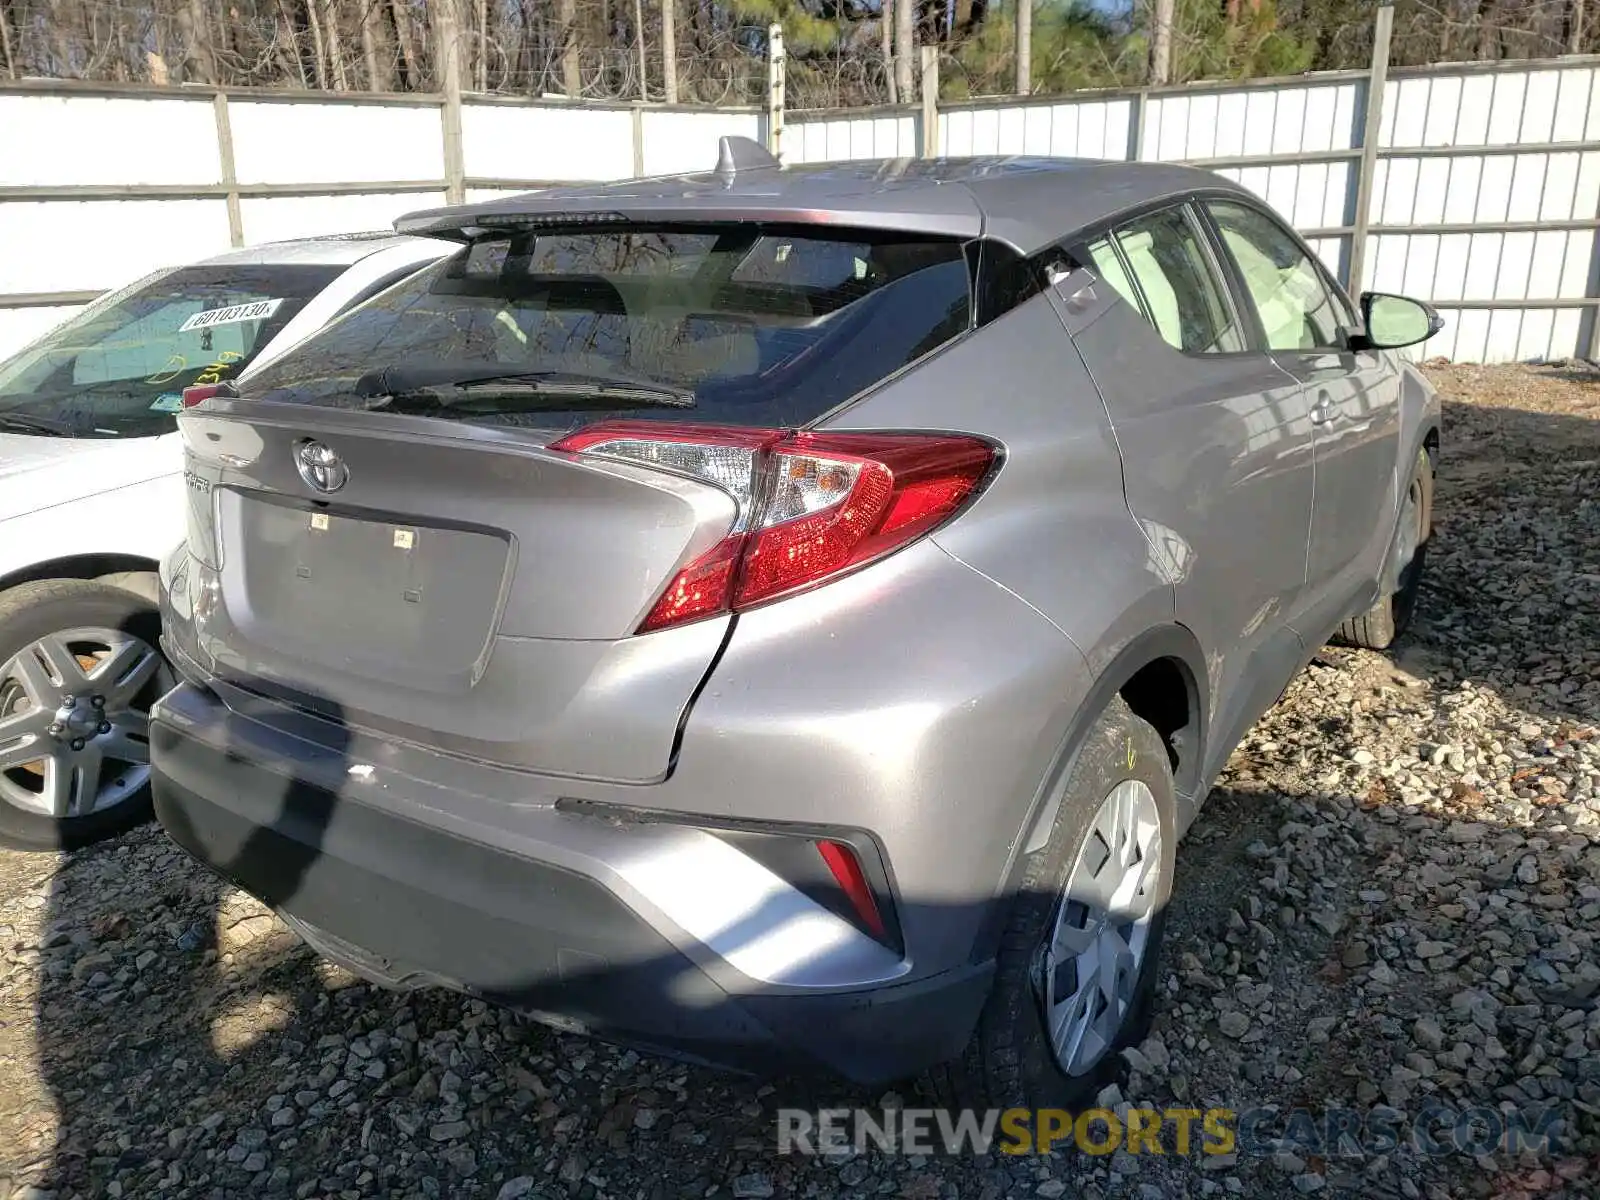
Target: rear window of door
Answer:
pixel 1160 264
pixel 1283 283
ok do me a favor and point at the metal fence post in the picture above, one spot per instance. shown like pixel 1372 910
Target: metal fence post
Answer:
pixel 775 70
pixel 449 56
pixel 1594 321
pixel 930 103
pixel 669 50
pixel 230 174
pixel 644 57
pixel 1377 79
pixel 1141 102
pixel 1024 68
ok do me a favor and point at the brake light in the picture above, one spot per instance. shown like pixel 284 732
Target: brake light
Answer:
pixel 810 505
pixel 839 500
pixel 199 393
pixel 702 589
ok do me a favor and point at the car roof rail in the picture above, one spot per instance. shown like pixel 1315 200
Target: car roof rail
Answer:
pixel 737 154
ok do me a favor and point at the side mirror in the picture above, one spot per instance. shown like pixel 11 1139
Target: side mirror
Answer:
pixel 1395 321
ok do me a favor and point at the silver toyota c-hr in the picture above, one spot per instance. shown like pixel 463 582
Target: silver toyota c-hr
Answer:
pixel 786 616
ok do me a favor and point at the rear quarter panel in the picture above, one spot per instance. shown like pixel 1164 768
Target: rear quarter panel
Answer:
pixel 913 699
pixel 1062 581
pixel 1053 527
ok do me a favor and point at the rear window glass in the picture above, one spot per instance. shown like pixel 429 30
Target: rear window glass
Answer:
pixel 763 325
pixel 118 368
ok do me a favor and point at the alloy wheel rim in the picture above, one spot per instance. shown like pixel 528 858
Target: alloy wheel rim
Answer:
pixel 1101 932
pixel 74 723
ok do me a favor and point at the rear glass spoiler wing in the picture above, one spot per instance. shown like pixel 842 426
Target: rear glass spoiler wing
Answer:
pixel 713 197
pixel 568 212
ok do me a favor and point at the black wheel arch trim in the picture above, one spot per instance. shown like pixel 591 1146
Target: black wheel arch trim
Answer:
pixel 1431 443
pixel 89 567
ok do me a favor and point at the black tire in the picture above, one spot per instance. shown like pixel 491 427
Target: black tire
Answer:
pixel 1379 626
pixel 31 611
pixel 1009 1061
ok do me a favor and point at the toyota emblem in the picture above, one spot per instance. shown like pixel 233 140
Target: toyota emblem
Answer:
pixel 320 466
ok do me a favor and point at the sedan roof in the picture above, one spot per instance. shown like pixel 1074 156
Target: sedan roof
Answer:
pixel 1028 203
pixel 335 249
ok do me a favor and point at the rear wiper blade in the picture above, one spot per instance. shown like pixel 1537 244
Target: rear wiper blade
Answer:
pixel 43 426
pixel 525 397
pixel 460 389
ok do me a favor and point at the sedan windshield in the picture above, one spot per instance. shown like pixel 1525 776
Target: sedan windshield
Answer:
pixel 118 369
pixel 735 324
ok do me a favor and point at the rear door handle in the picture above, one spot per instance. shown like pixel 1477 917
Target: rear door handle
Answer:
pixel 1323 411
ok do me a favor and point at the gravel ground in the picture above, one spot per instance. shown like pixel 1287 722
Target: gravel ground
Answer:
pixel 1391 898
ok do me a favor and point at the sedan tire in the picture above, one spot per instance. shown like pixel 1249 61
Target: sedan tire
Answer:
pixel 79 670
pixel 1377 628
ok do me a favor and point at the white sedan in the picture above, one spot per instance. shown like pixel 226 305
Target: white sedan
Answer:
pixel 91 499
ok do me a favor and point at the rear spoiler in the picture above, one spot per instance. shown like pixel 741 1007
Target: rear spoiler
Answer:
pixel 735 156
pixel 716 197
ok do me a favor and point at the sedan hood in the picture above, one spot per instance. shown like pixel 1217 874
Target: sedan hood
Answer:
pixel 42 472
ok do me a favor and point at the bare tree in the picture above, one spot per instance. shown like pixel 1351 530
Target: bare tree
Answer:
pixel 405 35
pixel 669 50
pixel 371 40
pixel 842 52
pixel 1488 31
pixel 450 48
pixel 341 79
pixel 483 45
pixel 567 18
pixel 5 42
pixel 319 49
pixel 886 37
pixel 639 48
pixel 285 49
pixel 1161 43
pixel 904 47
pixel 201 65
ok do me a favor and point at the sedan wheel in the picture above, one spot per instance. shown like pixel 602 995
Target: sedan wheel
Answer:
pixel 79 671
pixel 73 740
pixel 1377 628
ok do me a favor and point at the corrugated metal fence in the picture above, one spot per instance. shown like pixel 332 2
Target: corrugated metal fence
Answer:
pixel 99 185
pixel 1481 182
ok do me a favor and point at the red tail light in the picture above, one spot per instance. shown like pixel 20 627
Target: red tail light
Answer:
pixel 701 589
pixel 846 870
pixel 811 505
pixel 199 393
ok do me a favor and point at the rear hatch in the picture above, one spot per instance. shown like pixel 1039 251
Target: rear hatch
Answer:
pixel 411 524
pixel 462 588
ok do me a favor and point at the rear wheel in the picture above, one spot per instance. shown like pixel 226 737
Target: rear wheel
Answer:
pixel 1077 967
pixel 1377 628
pixel 79 670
